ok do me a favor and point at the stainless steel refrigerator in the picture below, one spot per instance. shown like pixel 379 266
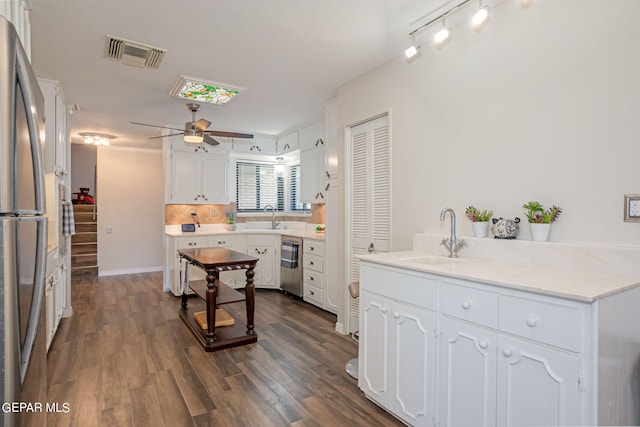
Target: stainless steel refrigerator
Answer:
pixel 23 237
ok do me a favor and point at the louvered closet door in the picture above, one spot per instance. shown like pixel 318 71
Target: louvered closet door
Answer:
pixel 370 196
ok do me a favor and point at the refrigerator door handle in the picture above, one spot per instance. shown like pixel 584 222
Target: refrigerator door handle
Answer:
pixel 38 293
pixel 35 124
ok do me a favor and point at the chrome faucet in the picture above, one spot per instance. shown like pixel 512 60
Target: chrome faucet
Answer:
pixel 451 243
pixel 274 223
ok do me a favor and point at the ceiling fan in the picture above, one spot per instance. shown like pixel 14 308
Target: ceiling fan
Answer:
pixel 196 131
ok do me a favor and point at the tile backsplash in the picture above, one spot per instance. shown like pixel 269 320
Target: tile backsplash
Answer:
pixel 214 214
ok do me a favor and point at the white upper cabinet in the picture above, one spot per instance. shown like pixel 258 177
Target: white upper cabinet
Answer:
pixel 287 143
pixel 312 136
pixel 197 178
pixel 311 175
pixel 259 145
pixel 56 134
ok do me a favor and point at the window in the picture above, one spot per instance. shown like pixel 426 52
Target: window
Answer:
pixel 257 186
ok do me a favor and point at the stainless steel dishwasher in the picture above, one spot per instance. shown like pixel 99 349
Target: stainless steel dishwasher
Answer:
pixel 291 265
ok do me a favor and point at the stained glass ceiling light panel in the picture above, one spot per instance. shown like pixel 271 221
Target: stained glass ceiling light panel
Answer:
pixel 204 91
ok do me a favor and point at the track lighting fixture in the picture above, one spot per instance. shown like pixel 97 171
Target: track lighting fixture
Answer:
pixel 443 35
pixel 412 50
pixel 480 17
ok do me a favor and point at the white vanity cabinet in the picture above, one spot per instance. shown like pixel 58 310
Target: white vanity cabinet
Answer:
pixel 506 360
pixel 504 357
pixel 197 177
pixel 265 248
pixel 397 353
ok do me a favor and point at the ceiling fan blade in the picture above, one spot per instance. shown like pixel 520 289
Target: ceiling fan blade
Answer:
pixel 228 134
pixel 208 140
pixel 154 126
pixel 164 136
pixel 202 125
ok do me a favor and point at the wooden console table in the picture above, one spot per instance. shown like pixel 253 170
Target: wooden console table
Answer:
pixel 214 293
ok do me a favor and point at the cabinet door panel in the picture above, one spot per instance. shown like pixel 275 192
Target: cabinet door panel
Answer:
pixel 467 383
pixel 186 173
pixel 536 385
pixel 414 363
pixel 374 348
pixel 214 179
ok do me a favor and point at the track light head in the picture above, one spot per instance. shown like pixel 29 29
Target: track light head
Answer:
pixel 411 51
pixel 442 36
pixel 480 18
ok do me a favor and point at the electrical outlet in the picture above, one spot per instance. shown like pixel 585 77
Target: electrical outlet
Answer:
pixel 213 213
pixel 109 229
pixel 632 207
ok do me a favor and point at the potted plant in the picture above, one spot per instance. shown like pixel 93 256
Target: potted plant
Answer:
pixel 480 220
pixel 540 219
pixel 231 220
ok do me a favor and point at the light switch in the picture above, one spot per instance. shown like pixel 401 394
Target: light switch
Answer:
pixel 632 207
pixel 109 229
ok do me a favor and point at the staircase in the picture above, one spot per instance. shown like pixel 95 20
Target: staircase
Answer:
pixel 84 244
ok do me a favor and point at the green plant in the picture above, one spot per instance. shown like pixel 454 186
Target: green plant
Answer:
pixel 231 217
pixel 476 215
pixel 536 214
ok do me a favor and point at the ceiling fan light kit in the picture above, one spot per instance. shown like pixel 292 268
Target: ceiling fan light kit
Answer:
pixel 196 131
pixel 201 90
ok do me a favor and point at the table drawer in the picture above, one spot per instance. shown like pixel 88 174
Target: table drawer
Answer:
pixel 313 262
pixel 470 304
pixel 553 324
pixel 313 278
pixel 313 246
pixel 312 294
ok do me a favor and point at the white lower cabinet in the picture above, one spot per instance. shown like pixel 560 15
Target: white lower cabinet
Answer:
pixel 265 248
pixel 488 379
pixel 397 348
pixel 55 299
pixel 503 357
pixel 174 271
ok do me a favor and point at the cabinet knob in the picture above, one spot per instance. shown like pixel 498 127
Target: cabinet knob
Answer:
pixel 221 242
pixel 466 305
pixel 383 309
pixel 311 278
pixel 326 188
pixel 311 248
pixel 327 174
pixel 204 197
pixel 310 262
pixel 483 344
pixel 396 315
pixel 311 293
pixel 531 321
pixel 507 352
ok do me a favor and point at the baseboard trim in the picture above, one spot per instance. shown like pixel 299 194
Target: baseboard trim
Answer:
pixel 102 272
pixel 340 328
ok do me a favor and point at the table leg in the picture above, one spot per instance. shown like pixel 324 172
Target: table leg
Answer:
pixel 250 294
pixel 212 294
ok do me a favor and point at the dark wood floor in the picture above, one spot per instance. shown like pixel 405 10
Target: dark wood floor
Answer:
pixel 125 359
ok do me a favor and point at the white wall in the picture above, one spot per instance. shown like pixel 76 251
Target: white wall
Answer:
pixel 83 165
pixel 543 104
pixel 131 202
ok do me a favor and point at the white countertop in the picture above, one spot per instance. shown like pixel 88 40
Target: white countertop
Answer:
pixel 575 285
pixel 303 233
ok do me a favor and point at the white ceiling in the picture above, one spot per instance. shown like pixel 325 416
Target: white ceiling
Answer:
pixel 291 55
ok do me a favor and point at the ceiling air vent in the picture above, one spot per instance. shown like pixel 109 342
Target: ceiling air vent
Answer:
pixel 133 53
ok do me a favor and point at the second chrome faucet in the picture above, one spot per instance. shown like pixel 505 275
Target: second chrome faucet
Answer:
pixel 452 243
